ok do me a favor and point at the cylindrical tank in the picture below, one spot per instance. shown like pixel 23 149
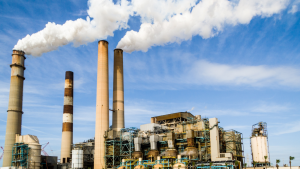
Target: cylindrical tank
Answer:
pixel 179 166
pixel 139 167
pixel 259 146
pixel 137 155
pixel 170 153
pixel 152 155
pixel 190 152
pixel 77 158
pixel 34 158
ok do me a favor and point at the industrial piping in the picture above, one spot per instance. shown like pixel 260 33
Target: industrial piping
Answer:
pixel 102 114
pixel 67 126
pixel 118 91
pixel 14 112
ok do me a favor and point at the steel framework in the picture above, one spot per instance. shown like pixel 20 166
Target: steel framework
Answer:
pixel 20 154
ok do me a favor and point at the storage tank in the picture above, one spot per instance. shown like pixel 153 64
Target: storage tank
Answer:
pixel 34 157
pixel 259 144
pixel 77 158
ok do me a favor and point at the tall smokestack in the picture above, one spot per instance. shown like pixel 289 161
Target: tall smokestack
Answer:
pixel 118 95
pixel 14 112
pixel 102 116
pixel 67 126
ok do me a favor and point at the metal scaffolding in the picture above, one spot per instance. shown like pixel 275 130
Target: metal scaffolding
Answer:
pixel 20 154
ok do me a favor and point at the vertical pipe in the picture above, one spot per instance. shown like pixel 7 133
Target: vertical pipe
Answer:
pixel 67 126
pixel 14 112
pixel 118 91
pixel 102 118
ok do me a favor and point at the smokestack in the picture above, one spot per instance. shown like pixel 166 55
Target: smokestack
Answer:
pixel 102 118
pixel 67 126
pixel 14 112
pixel 118 95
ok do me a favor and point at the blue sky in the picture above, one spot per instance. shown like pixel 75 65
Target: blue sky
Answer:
pixel 244 74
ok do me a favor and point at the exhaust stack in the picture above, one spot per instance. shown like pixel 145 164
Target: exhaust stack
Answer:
pixel 102 115
pixel 67 126
pixel 118 95
pixel 14 112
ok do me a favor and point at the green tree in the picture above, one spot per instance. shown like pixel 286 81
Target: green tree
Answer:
pixel 291 158
pixel 245 165
pixel 210 164
pixel 194 164
pixel 236 164
pixel 202 165
pixel 265 160
pixel 179 166
pixel 226 165
pixel 277 163
pixel 254 164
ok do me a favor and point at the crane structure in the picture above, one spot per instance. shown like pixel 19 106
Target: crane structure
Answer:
pixel 2 152
pixel 43 149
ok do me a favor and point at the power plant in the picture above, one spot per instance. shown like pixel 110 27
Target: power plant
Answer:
pixel 172 141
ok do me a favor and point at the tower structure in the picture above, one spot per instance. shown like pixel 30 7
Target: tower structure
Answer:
pixel 15 103
pixel 118 91
pixel 67 126
pixel 102 105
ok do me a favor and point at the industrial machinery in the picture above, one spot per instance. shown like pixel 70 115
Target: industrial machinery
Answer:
pixel 259 145
pixel 178 139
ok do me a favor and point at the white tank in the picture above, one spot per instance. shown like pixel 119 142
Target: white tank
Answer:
pixel 259 146
pixel 34 157
pixel 77 158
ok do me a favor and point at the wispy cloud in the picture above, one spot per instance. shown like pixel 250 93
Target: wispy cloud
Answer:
pixel 202 72
pixel 290 127
pixel 294 9
pixel 271 108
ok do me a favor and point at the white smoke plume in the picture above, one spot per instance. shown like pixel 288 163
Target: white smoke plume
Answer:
pixel 162 22
pixel 107 17
pixel 205 19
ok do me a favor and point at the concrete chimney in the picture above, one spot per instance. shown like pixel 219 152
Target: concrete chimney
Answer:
pixel 102 114
pixel 118 95
pixel 14 112
pixel 67 126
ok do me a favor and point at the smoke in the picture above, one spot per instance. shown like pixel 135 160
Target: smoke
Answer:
pixel 162 22
pixel 205 19
pixel 191 109
pixel 106 18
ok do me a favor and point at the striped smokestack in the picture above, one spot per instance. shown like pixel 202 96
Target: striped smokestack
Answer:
pixel 102 118
pixel 118 95
pixel 67 126
pixel 14 112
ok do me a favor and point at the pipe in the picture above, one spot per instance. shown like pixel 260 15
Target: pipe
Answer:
pixel 14 112
pixel 67 127
pixel 102 116
pixel 118 91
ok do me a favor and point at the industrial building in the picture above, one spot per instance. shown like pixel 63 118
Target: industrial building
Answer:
pixel 177 140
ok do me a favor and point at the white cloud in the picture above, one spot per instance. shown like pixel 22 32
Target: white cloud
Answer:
pixel 294 9
pixel 204 72
pixel 290 127
pixel 271 108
